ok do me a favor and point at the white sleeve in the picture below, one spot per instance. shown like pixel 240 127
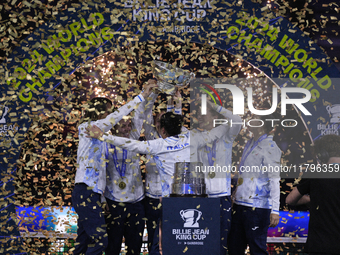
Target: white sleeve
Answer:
pixel 200 139
pixel 177 109
pixel 152 147
pixel 169 107
pixel 112 119
pixel 184 129
pixel 272 158
pixel 233 130
pixel 141 114
pixel 149 128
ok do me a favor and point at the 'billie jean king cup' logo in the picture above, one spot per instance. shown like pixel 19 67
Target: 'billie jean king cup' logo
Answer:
pixel 191 217
pixel 334 110
pixel 3 113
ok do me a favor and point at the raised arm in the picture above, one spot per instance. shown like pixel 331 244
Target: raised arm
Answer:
pixel 233 129
pixel 112 119
pixel 144 147
pixel 177 98
pixel 147 117
pixel 143 112
pixel 200 139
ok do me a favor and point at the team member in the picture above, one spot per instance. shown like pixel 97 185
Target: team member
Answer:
pixel 153 188
pixel 90 180
pixel 124 191
pixel 219 153
pixel 322 194
pixel 173 147
pixel 153 185
pixel 256 205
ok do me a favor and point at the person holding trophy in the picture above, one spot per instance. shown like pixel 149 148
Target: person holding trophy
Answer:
pixel 124 191
pixel 174 145
pixel 153 187
pixel 90 179
pixel 219 153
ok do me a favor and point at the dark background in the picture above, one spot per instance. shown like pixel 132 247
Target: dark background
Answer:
pixel 50 183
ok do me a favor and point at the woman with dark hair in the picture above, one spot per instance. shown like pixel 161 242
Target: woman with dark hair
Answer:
pixel 153 187
pixel 98 108
pixel 124 192
pixel 171 124
pixel 90 180
pixel 172 147
pixel 256 201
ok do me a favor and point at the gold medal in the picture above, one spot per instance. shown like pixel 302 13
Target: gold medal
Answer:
pixel 240 181
pixel 211 175
pixel 122 185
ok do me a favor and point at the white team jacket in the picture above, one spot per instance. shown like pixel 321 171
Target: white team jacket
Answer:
pixel 91 154
pixel 259 184
pixel 166 152
pixel 134 188
pixel 153 184
pixel 220 184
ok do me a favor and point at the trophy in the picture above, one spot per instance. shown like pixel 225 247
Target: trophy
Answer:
pixel 168 76
pixel 187 181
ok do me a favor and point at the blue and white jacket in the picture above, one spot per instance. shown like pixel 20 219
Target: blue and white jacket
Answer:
pixel 166 152
pixel 153 184
pixel 218 154
pixel 91 154
pixel 259 176
pixel 134 189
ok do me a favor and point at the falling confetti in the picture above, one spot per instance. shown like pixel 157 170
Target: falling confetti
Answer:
pixel 44 172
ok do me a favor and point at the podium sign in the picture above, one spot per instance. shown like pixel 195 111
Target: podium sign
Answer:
pixel 191 226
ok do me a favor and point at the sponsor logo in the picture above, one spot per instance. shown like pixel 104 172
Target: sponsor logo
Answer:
pixel 3 113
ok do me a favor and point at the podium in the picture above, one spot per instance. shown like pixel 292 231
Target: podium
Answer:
pixel 191 226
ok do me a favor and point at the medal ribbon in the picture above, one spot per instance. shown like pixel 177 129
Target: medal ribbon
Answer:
pixel 120 170
pixel 246 153
pixel 107 157
pixel 211 153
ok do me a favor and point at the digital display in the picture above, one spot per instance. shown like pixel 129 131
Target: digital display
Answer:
pixel 64 220
pixel 37 219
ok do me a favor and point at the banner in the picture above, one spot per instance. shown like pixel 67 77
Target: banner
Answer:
pixel 191 225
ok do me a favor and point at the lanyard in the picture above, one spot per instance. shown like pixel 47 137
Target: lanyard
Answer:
pixel 106 154
pixel 246 152
pixel 211 153
pixel 120 170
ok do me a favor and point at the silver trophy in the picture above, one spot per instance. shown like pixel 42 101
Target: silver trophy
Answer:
pixel 188 181
pixel 168 76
